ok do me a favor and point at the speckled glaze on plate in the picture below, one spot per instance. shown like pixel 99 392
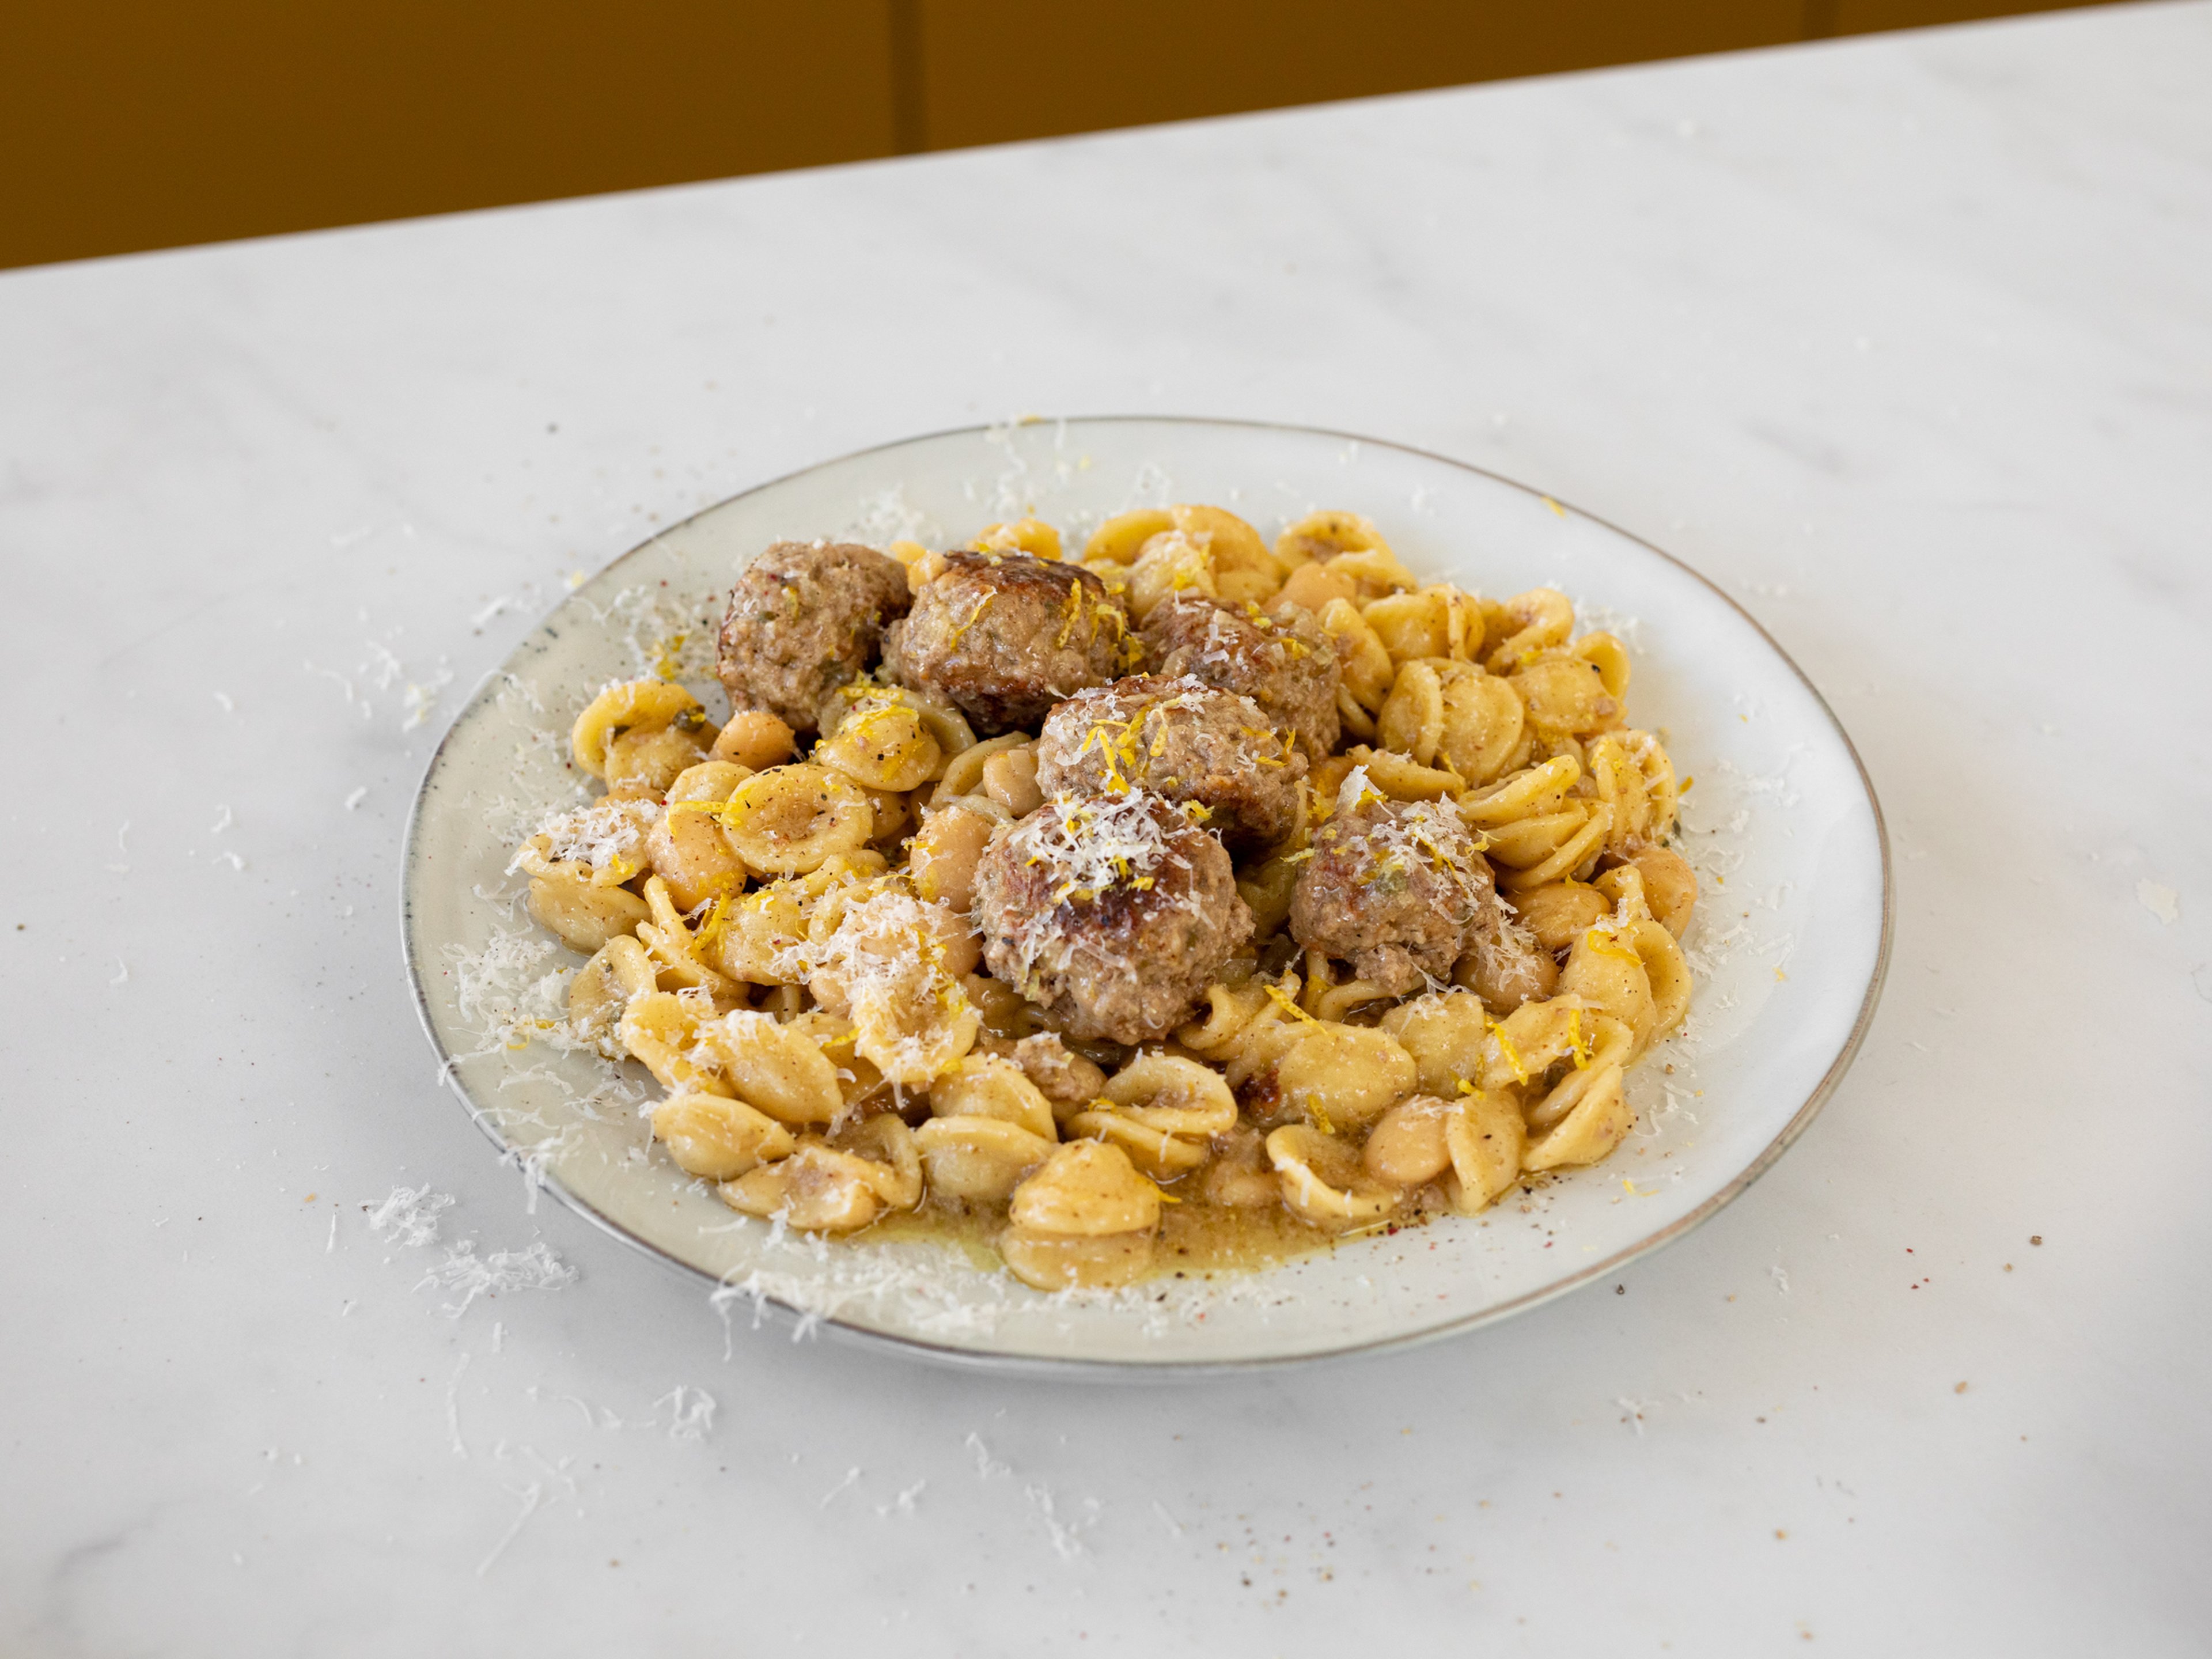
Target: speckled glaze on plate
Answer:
pixel 1794 940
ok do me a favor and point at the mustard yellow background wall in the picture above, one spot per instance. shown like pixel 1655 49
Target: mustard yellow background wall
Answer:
pixel 126 125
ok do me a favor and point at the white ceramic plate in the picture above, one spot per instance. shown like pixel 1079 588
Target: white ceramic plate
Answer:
pixel 1790 941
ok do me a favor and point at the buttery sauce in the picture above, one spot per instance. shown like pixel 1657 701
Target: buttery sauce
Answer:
pixel 1195 1238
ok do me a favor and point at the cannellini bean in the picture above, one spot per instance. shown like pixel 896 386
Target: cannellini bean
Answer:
pixel 1670 886
pixel 1558 912
pixel 1504 979
pixel 1406 1147
pixel 1240 1176
pixel 1314 585
pixel 1010 779
pixel 945 852
pixel 754 739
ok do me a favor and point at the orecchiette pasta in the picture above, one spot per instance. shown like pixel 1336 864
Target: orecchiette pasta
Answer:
pixel 797 940
pixel 978 1159
pixel 1526 624
pixel 660 1029
pixel 883 745
pixel 773 1068
pixel 1348 546
pixel 1323 1181
pixel 584 915
pixel 1022 536
pixel 637 709
pixel 1121 539
pixel 790 820
pixel 1486 1138
pixel 1172 562
pixel 717 1138
pixel 1163 1111
pixel 1085 1218
pixel 822 1187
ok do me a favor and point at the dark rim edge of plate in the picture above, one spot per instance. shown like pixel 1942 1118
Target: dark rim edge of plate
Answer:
pixel 1071 1368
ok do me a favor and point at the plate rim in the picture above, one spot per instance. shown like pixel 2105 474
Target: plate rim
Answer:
pixel 1138 1368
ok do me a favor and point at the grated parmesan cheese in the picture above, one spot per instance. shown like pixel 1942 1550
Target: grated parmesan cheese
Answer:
pixel 534 1268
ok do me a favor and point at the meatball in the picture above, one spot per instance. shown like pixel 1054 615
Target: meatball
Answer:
pixel 1184 741
pixel 1396 888
pixel 1282 660
pixel 1112 914
pixel 804 619
pixel 1006 636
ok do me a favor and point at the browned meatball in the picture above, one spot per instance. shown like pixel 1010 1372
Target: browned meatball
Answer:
pixel 1184 741
pixel 1393 887
pixel 805 618
pixel 1283 661
pixel 1006 636
pixel 1112 914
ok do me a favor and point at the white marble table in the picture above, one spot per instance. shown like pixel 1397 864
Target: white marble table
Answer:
pixel 1905 341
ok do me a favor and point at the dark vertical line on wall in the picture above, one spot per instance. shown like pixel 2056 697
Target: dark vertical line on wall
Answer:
pixel 1820 19
pixel 910 115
